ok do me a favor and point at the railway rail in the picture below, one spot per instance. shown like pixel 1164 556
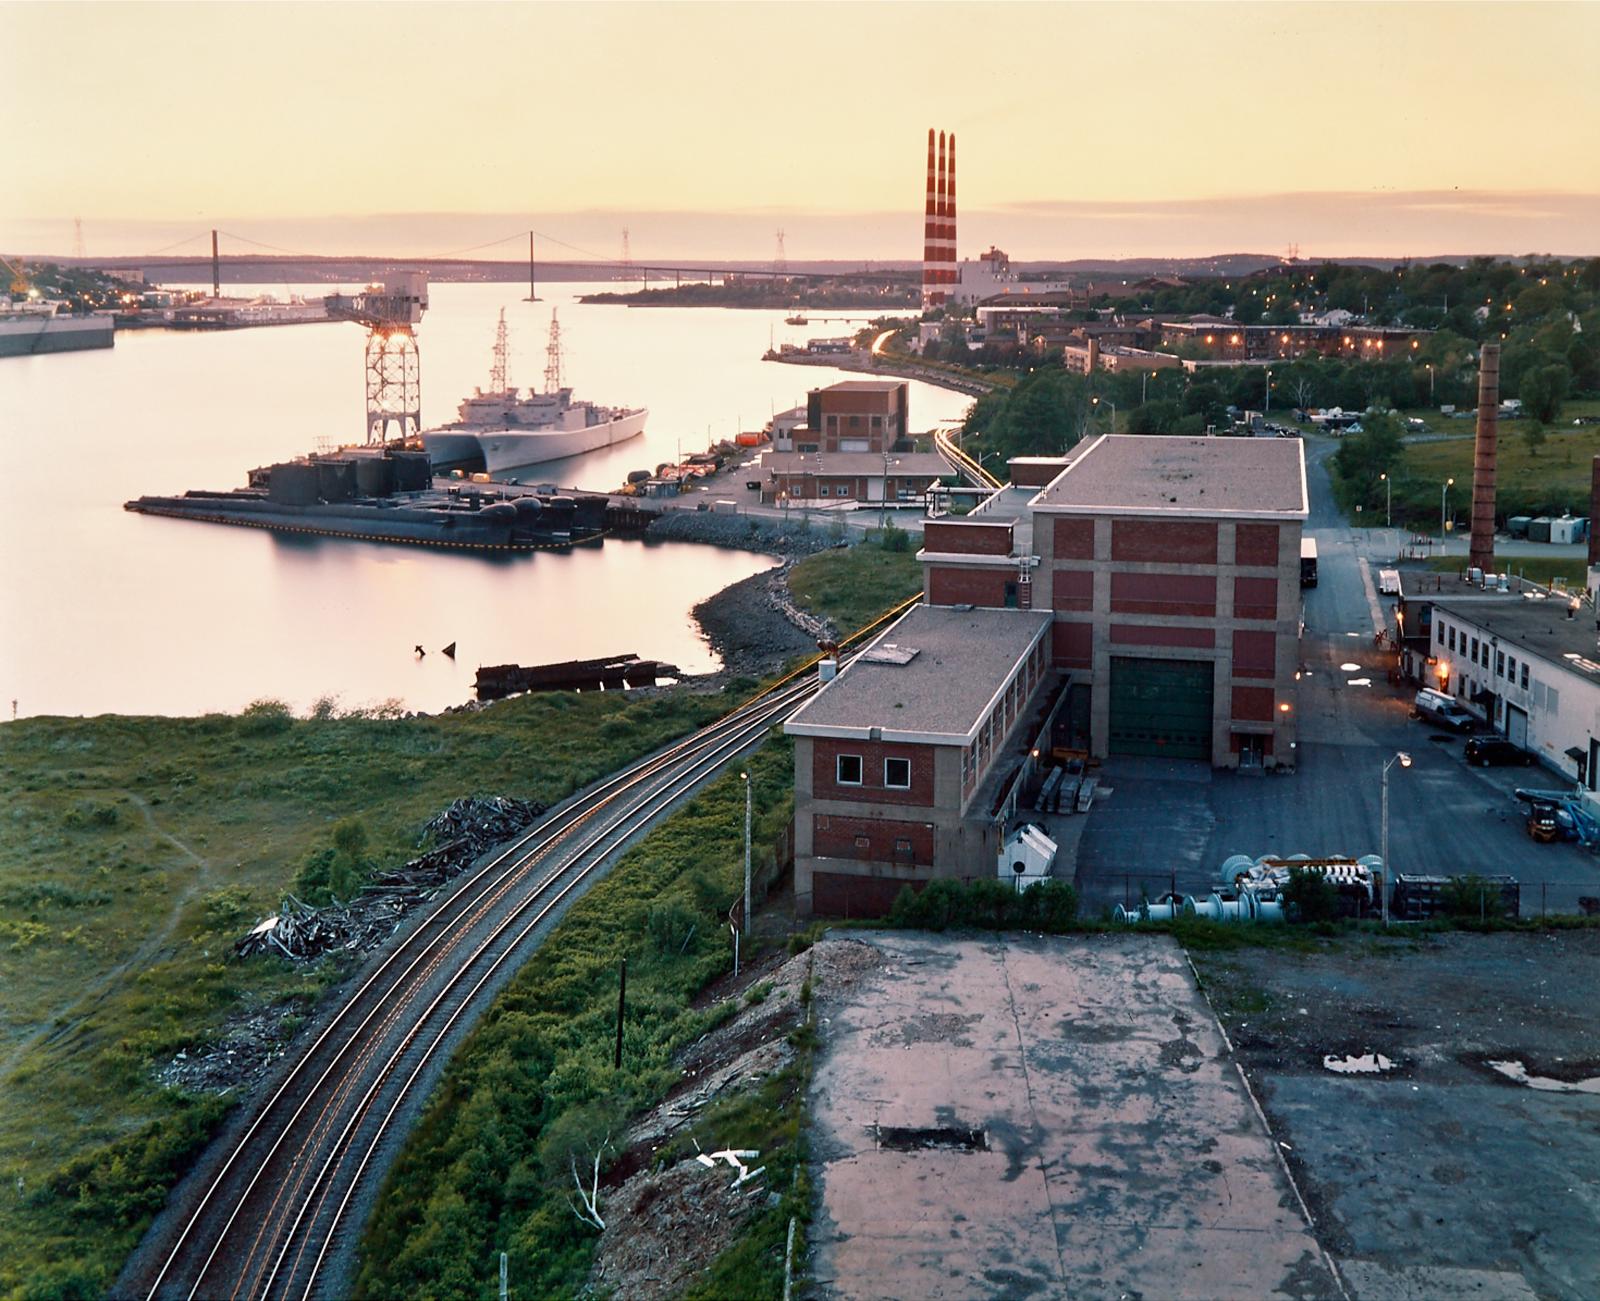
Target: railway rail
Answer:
pixel 277 1202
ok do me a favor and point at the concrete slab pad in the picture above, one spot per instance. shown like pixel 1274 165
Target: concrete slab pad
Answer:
pixel 1120 1153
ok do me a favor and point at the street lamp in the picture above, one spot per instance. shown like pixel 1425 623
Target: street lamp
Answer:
pixel 1095 401
pixel 1388 501
pixel 1267 410
pixel 1430 383
pixel 1444 490
pixel 1404 760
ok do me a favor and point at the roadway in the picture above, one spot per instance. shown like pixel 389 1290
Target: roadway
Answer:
pixel 1167 823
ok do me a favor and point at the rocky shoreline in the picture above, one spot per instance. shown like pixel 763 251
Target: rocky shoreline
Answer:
pixel 754 625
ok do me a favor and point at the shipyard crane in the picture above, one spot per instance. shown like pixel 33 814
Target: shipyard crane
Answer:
pixel 393 365
pixel 20 284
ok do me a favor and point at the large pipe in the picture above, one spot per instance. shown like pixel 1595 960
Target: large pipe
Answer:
pixel 216 268
pixel 1483 459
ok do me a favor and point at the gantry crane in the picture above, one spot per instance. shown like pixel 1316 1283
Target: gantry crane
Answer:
pixel 393 364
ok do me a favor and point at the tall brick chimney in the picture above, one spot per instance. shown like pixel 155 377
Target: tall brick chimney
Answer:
pixel 1594 512
pixel 1481 555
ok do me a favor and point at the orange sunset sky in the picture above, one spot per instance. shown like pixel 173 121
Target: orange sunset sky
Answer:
pixel 1086 130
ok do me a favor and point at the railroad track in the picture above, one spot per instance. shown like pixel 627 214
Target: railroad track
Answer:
pixel 278 1201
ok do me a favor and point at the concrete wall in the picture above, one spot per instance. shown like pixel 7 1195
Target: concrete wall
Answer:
pixel 1218 591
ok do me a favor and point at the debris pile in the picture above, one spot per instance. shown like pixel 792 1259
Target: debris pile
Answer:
pixel 461 834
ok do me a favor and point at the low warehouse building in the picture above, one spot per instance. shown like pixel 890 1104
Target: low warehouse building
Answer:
pixel 900 760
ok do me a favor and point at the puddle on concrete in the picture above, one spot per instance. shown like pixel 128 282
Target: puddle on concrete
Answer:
pixel 1518 1073
pixel 1349 666
pixel 944 1138
pixel 1358 682
pixel 1366 1064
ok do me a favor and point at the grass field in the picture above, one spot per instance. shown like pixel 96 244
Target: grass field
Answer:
pixel 853 586
pixel 134 851
pixel 1536 569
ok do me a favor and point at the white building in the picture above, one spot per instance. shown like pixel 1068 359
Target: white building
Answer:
pixel 1530 665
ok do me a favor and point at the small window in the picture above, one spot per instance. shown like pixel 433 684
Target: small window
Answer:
pixel 1524 676
pixel 897 774
pixel 847 770
pixel 1511 669
pixel 863 842
pixel 1474 650
pixel 1499 664
pixel 902 847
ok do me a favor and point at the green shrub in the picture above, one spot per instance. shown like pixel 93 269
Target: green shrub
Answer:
pixel 1472 897
pixel 265 718
pixel 1310 896
pixel 988 904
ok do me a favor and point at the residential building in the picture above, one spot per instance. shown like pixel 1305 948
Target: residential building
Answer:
pixel 1223 340
pixel 856 415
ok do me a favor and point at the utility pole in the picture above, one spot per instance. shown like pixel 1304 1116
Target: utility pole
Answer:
pixel 503 1278
pixel 747 890
pixel 622 1002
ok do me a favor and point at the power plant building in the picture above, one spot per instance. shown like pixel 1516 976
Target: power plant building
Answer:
pixel 1138 596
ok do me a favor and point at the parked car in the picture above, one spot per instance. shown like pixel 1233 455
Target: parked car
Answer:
pixel 1496 750
pixel 1436 707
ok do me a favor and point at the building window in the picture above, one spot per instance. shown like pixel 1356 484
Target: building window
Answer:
pixel 1511 669
pixel 841 491
pixel 897 774
pixel 1524 675
pixel 847 769
pixel 1499 664
pixel 863 842
pixel 902 848
pixel 1450 638
pixel 1474 650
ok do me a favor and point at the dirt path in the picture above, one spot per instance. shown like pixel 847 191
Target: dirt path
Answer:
pixel 67 1018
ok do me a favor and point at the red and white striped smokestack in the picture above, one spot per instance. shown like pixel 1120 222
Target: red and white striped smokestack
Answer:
pixel 942 210
pixel 930 234
pixel 951 275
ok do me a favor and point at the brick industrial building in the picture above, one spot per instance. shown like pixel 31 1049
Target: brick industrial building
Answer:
pixel 1161 577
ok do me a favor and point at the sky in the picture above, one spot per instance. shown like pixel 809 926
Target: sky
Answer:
pixel 1085 130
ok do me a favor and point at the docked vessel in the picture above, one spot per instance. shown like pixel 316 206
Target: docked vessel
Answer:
pixel 384 494
pixel 40 325
pixel 504 428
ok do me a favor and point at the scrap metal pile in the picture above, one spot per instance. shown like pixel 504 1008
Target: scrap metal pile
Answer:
pixel 461 834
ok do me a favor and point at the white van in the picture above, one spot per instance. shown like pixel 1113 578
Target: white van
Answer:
pixel 1436 707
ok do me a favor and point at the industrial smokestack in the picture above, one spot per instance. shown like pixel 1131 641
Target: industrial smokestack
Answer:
pixel 1594 512
pixel 216 268
pixel 930 235
pixel 1483 459
pixel 941 210
pixel 951 274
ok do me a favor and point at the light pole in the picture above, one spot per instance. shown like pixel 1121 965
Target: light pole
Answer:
pixel 1404 760
pixel 1267 410
pixel 1444 490
pixel 747 902
pixel 1388 501
pixel 1430 383
pixel 1095 401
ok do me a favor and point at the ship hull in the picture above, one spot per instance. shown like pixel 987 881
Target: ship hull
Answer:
pixel 506 449
pixel 452 446
pixel 24 338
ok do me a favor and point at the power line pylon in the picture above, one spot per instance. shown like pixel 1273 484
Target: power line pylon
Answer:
pixel 780 264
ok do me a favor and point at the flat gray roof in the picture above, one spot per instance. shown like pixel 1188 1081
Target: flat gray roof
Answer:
pixel 964 658
pixel 863 463
pixel 1152 474
pixel 1539 624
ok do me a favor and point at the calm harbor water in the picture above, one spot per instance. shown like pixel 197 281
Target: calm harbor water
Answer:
pixel 102 611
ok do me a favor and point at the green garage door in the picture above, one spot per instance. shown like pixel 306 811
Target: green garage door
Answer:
pixel 1161 707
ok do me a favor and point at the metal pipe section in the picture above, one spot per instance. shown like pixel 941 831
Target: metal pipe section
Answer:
pixel 1483 459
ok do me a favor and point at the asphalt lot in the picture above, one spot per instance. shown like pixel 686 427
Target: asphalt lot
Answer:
pixel 1166 823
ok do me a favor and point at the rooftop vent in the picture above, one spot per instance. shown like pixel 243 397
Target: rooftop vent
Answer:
pixel 889 653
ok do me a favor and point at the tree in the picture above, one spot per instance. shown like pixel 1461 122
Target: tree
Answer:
pixel 1533 436
pixel 1542 390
